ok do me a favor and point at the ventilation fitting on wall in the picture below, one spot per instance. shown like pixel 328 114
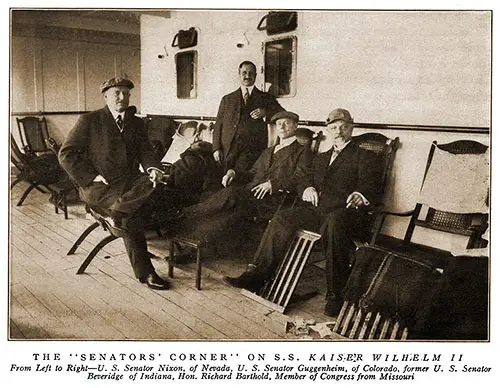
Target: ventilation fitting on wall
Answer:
pixel 278 22
pixel 185 38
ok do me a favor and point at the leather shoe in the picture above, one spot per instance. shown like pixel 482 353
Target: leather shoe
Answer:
pixel 155 282
pixel 248 279
pixel 333 306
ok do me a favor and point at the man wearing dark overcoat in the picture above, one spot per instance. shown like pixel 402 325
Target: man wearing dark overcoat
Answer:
pixel 342 183
pixel 253 193
pixel 102 154
pixel 240 131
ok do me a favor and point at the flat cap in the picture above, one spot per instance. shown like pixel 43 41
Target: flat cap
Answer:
pixel 116 81
pixel 285 115
pixel 339 114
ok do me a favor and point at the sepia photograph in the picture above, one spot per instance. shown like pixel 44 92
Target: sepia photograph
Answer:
pixel 230 179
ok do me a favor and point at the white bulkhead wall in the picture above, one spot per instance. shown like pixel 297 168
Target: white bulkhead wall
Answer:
pixel 419 68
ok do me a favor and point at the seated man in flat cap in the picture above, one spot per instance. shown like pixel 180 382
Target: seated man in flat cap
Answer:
pixel 102 154
pixel 280 167
pixel 342 182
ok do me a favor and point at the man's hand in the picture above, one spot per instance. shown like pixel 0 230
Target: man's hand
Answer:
pixel 100 178
pixel 261 190
pixel 155 176
pixel 355 200
pixel 218 156
pixel 258 113
pixel 228 178
pixel 311 195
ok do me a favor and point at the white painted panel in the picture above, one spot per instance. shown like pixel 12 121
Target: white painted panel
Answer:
pixel 59 75
pixel 22 75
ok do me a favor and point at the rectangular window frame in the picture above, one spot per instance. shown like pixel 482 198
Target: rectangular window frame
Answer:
pixel 293 76
pixel 194 86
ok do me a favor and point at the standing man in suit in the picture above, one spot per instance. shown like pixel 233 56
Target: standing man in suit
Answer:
pixel 240 131
pixel 102 154
pixel 343 182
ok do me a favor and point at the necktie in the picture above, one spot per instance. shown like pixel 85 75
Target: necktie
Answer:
pixel 119 122
pixel 335 152
pixel 246 96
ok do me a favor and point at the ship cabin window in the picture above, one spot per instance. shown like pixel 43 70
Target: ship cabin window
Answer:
pixel 186 64
pixel 280 66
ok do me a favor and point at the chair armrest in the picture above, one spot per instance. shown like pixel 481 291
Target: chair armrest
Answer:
pixel 380 214
pixel 52 145
pixel 378 210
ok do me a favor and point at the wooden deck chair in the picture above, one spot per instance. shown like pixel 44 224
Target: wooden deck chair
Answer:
pixel 278 290
pixel 42 173
pixel 453 195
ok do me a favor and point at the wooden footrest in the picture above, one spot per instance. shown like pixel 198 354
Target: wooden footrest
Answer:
pixel 278 290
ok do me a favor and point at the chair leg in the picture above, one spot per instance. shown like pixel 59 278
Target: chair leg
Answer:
pixel 41 190
pixel 198 268
pixel 82 237
pixel 171 259
pixel 91 255
pixel 65 206
pixel 16 181
pixel 25 194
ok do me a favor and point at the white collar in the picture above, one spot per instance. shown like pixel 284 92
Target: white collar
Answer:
pixel 284 143
pixel 116 114
pixel 250 89
pixel 340 148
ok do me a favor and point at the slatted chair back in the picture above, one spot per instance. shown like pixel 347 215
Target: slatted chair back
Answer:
pixel 454 192
pixel 34 133
pixel 278 290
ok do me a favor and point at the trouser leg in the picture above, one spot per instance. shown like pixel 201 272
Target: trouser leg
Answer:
pixel 337 246
pixel 136 246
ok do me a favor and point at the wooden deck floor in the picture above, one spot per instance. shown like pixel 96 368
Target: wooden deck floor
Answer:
pixel 49 301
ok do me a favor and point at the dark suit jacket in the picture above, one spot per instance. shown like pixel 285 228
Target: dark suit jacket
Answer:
pixel 285 168
pixel 354 169
pixel 234 123
pixel 95 146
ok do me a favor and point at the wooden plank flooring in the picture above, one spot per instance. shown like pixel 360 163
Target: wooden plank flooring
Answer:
pixel 49 301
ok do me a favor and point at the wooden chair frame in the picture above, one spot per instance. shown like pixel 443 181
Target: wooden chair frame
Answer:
pixel 474 225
